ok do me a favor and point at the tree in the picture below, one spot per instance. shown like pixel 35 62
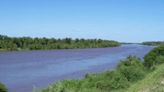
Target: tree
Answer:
pixel 132 68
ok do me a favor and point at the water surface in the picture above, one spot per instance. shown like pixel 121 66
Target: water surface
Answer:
pixel 21 71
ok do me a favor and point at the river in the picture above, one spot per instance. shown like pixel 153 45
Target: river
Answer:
pixel 24 70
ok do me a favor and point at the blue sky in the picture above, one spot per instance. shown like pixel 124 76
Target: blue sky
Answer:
pixel 121 20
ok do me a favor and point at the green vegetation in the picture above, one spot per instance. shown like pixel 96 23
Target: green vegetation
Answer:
pixel 132 68
pixel 153 82
pixel 154 43
pixel 3 88
pixel 154 57
pixel 27 43
pixel 131 75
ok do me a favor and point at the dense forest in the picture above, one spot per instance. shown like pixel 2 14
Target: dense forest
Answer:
pixel 130 75
pixel 28 43
pixel 154 43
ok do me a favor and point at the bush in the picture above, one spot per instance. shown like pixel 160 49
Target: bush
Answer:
pixel 3 88
pixel 151 59
pixel 112 81
pixel 119 81
pixel 64 86
pixel 160 59
pixel 132 68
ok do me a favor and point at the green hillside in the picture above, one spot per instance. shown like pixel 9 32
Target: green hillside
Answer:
pixel 153 82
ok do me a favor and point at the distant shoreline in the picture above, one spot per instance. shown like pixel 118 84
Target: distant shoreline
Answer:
pixel 28 43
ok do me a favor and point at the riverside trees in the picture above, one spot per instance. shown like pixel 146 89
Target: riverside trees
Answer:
pixel 28 43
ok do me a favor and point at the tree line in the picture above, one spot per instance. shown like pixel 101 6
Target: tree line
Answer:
pixel 153 43
pixel 28 43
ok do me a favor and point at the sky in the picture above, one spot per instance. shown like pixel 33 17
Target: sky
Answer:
pixel 121 20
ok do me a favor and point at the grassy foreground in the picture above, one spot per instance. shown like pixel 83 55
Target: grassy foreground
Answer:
pixel 153 82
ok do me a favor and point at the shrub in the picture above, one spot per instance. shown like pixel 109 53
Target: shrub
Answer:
pixel 3 88
pixel 119 81
pixel 113 82
pixel 160 59
pixel 132 68
pixel 151 59
pixel 64 86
